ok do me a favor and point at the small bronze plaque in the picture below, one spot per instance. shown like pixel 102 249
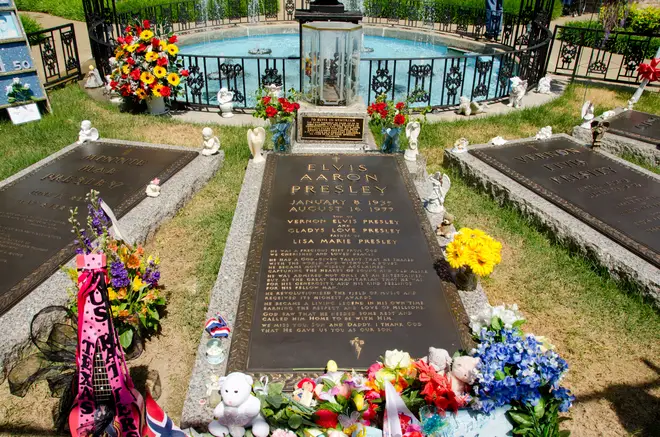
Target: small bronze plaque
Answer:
pixel 613 198
pixel 341 266
pixel 35 237
pixel 332 128
pixel 637 125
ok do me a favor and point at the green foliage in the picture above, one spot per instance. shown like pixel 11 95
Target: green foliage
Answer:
pixel 644 20
pixel 280 411
pixel 31 25
pixel 541 420
pixel 616 43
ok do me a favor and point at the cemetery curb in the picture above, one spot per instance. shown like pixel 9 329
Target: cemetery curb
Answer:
pixel 623 265
pixel 137 225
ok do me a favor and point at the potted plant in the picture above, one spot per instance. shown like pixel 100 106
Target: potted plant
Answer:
pixel 146 68
pixel 390 117
pixel 472 253
pixel 280 113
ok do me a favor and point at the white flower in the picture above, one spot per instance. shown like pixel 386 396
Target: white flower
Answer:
pixel 26 86
pixel 16 80
pixel 544 133
pixel 396 358
pixel 607 114
pixel 112 61
pixel 8 89
pixel 509 316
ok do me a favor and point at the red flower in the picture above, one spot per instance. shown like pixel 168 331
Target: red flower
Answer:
pixel 135 74
pixel 128 30
pixel 271 111
pixel 163 62
pixel 296 106
pixel 400 106
pixel 165 91
pixel 124 76
pixel 288 108
pixel 121 40
pixel 283 101
pixel 372 395
pixel 141 48
pixel 265 100
pixel 155 42
pixel 113 84
pixel 185 73
pixel 128 39
pixel 399 119
pixel 130 61
pixel 383 113
pixel 146 24
pixel 325 419
pixel 172 39
pixel 371 414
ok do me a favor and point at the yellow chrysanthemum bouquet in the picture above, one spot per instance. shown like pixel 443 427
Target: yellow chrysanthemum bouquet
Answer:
pixel 473 252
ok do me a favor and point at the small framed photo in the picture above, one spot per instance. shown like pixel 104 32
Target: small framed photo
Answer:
pixel 9 27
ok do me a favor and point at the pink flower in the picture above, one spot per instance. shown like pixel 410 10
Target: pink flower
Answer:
pixel 375 367
pixel 156 181
pixel 282 433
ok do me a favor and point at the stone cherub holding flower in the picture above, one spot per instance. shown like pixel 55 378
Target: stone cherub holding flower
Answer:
pixel 211 143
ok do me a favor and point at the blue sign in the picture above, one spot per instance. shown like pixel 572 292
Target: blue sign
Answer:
pixel 15 57
pixel 26 80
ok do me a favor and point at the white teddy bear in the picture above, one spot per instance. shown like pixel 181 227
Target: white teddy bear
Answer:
pixel 238 409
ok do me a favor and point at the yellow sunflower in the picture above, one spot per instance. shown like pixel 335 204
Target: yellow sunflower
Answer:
pixel 146 35
pixel 142 94
pixel 126 69
pixel 160 72
pixel 456 254
pixel 157 89
pixel 151 56
pixel 172 49
pixel 131 48
pixel 173 79
pixel 163 45
pixel 147 78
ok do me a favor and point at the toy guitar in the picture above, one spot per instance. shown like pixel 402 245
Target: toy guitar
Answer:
pixel 107 403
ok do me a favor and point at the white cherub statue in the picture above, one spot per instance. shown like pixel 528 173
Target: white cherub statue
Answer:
pixel 544 85
pixel 587 114
pixel 544 133
pixel 225 102
pixel 464 108
pixel 436 201
pixel 498 141
pixel 93 79
pixel 275 91
pixel 238 409
pixel 518 89
pixel 460 145
pixel 153 189
pixel 256 138
pixel 412 132
pixel 211 143
pixel 87 132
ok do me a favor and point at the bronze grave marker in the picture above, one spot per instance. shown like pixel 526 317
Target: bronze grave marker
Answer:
pixel 35 237
pixel 332 128
pixel 615 199
pixel 636 125
pixel 341 266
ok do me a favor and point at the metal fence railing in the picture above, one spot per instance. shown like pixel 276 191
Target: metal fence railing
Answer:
pixel 58 53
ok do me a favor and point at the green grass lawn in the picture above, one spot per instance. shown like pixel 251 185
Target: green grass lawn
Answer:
pixel 603 329
pixel 73 9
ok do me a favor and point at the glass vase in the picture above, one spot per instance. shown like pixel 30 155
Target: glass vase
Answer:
pixel 466 279
pixel 391 140
pixel 281 131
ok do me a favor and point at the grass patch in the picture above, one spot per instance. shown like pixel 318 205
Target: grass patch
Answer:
pixel 641 162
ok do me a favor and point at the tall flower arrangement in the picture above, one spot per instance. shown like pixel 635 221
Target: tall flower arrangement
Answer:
pixel 390 117
pixel 473 252
pixel 133 291
pixel 145 66
pixel 280 112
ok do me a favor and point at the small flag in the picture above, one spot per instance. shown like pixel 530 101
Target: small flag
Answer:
pixel 217 327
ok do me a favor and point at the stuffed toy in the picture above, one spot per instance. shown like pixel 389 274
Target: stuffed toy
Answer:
pixel 238 408
pixel 463 373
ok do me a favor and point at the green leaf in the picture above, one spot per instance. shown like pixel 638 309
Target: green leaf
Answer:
pixel 267 412
pixel 126 338
pixel 539 409
pixel 522 419
pixel 275 388
pixel 295 421
pixel 154 314
pixel 496 323
pixel 518 323
pixel 499 375
pixel 564 433
pixel 275 401
pixel 341 399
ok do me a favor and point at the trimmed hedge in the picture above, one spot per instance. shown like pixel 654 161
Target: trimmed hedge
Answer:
pixel 616 43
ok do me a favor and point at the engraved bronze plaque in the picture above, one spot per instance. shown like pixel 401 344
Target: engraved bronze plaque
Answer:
pixel 615 199
pixel 341 266
pixel 332 128
pixel 637 125
pixel 35 237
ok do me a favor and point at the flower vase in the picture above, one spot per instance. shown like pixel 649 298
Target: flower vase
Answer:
pixel 281 136
pixel 390 140
pixel 466 279
pixel 156 106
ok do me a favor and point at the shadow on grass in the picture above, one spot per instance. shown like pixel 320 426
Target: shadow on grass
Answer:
pixel 637 409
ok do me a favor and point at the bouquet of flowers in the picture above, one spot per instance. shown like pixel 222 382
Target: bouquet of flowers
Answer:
pixel 520 370
pixel 280 112
pixel 133 290
pixel 341 401
pixel 18 92
pixel 390 117
pixel 473 252
pixel 146 66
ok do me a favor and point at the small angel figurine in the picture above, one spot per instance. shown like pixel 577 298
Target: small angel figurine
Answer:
pixel 412 132
pixel 93 79
pixel 587 114
pixel 153 189
pixel 460 145
pixel 436 201
pixel 211 143
pixel 87 132
pixel 256 138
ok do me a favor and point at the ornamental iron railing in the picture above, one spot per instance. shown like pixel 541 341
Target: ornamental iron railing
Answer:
pixel 594 54
pixel 58 52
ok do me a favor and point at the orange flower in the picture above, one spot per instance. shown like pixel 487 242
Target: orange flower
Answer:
pixel 123 313
pixel 112 245
pixel 140 250
pixel 133 261
pixel 121 294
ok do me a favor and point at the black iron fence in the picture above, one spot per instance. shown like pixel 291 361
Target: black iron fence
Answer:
pixel 58 53
pixel 594 54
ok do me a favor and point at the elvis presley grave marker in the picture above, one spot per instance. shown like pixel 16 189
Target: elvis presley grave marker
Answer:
pixel 615 199
pixel 35 236
pixel 341 266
